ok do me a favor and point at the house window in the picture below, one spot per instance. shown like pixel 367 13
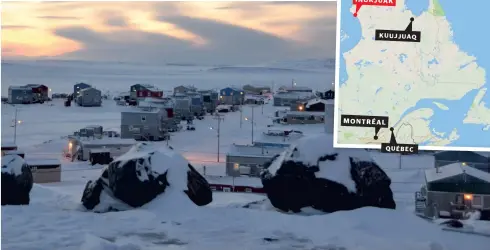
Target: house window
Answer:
pixel 148 94
pixel 25 92
pixel 143 118
pixel 226 189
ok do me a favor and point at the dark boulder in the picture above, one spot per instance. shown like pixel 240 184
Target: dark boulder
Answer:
pixel 145 172
pixel 314 174
pixel 17 180
pixel 91 193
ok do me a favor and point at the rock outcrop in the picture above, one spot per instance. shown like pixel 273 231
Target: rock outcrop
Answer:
pixel 17 180
pixel 314 174
pixel 142 174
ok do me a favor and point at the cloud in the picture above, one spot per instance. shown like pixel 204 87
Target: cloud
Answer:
pixel 176 32
pixel 114 20
pixel 228 44
pixel 16 27
pixel 58 17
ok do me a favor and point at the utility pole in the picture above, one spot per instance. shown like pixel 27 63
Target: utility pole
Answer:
pixel 15 125
pixel 253 108
pixel 241 115
pixel 219 118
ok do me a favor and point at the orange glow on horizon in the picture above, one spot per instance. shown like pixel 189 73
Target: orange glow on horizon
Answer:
pixel 29 28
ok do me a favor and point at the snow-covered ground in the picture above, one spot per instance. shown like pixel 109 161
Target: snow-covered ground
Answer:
pixel 53 220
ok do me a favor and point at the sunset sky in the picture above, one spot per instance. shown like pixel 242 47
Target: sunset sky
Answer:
pixel 162 32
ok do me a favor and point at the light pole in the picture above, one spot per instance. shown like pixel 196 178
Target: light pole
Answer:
pixel 252 121
pixel 219 118
pixel 241 115
pixel 15 125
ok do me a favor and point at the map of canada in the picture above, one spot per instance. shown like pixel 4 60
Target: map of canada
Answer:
pixel 414 70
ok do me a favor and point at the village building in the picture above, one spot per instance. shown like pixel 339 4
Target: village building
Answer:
pixel 89 97
pixel 231 96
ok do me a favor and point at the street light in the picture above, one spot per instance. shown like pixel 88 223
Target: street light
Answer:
pixel 219 118
pixel 16 122
pixel 252 121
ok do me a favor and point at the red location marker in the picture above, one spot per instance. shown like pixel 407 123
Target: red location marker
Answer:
pixel 360 3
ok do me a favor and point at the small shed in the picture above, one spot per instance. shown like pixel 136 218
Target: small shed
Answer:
pixel 79 147
pixel 45 170
pixel 79 86
pixel 249 159
pixel 479 160
pixel 304 117
pixel 89 97
pixel 232 96
pixel 20 95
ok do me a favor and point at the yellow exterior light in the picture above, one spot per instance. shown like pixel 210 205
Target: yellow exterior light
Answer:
pixel 300 108
pixel 236 166
pixel 19 122
pixel 468 197
pixel 246 119
pixel 463 163
pixel 70 145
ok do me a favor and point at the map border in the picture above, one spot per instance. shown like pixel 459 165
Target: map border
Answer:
pixel 336 120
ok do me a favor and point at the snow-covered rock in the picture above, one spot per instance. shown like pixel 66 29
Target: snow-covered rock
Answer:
pixel 17 180
pixel 314 174
pixel 142 174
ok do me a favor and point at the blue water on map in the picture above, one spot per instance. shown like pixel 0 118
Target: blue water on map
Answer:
pixel 417 6
pixel 466 23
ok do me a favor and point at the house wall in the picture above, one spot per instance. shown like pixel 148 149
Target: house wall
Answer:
pixel 20 96
pixel 46 174
pixel 90 98
pixel 300 119
pixel 181 90
pixel 149 93
pixel 256 163
pixel 442 201
pixel 133 125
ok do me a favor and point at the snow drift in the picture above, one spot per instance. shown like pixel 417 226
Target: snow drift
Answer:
pixel 314 174
pixel 17 180
pixel 142 174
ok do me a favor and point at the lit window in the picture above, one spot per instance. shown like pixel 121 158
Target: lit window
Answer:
pixel 236 166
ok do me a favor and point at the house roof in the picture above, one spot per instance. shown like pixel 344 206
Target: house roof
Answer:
pixel 254 151
pixel 455 169
pixel 318 100
pixel 463 156
pixel 297 88
pixel 89 89
pixel 35 85
pixel 19 87
pixel 233 88
pixel 43 162
pixel 82 83
pixel 305 113
pixel 293 95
